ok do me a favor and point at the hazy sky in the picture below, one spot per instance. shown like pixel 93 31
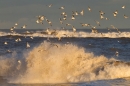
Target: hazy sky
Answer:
pixel 25 12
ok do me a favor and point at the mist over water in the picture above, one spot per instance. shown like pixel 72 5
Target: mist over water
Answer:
pixel 60 63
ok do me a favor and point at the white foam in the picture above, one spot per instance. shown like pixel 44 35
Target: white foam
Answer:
pixel 69 33
pixel 59 63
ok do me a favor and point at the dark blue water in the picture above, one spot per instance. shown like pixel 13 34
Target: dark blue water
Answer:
pixel 99 46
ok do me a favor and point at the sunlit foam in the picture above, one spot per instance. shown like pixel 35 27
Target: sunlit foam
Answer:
pixel 70 33
pixel 60 63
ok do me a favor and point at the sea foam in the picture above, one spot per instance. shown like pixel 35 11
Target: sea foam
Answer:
pixel 60 63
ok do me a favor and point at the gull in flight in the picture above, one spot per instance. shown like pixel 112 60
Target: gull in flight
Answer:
pixel 117 53
pixel 62 7
pixel 63 13
pixel 115 13
pixel 82 12
pixel 49 22
pixel 72 17
pixel 85 25
pixel 101 17
pixel 76 13
pixel 18 40
pixel 74 29
pixel 89 9
pixel 64 18
pixel 98 23
pixel 61 21
pixel 5 43
pixel 101 12
pixel 24 26
pixel 50 5
pixel 27 45
pixel 68 24
pixel 9 51
pixel 48 31
pixel 125 16
pixel 40 19
pixel 12 28
pixel 16 24
pixel 123 7
pixel 115 28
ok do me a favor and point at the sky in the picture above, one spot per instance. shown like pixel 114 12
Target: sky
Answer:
pixel 24 12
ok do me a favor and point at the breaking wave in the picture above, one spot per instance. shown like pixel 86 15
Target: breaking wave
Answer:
pixel 69 33
pixel 60 63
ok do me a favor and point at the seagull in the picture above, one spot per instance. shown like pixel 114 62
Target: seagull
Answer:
pixel 74 29
pixel 16 24
pixel 101 12
pixel 82 12
pixel 31 37
pixel 41 18
pixel 101 17
pixel 17 40
pixel 19 61
pixel 72 17
pixel 106 18
pixel 115 28
pixel 117 53
pixel 123 7
pixel 61 21
pixel 125 16
pixel 89 9
pixel 63 28
pixel 24 26
pixel 64 18
pixel 5 43
pixel 73 13
pixel 50 5
pixel 98 23
pixel 9 51
pixel 114 14
pixel 76 13
pixel 49 22
pixel 12 30
pixel 63 13
pixel 39 21
pixel 84 24
pixel 62 7
pixel 94 30
pixel 27 45
pixel 48 32
pixel 68 24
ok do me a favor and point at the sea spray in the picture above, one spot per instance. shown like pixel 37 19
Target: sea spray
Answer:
pixel 60 63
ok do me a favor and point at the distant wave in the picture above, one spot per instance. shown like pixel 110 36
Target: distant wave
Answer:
pixel 69 33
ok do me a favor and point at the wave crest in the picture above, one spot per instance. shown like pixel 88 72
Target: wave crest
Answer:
pixel 61 63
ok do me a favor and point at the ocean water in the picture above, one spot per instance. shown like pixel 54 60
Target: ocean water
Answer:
pixel 65 58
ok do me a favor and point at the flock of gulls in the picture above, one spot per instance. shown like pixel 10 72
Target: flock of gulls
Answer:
pixel 41 18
